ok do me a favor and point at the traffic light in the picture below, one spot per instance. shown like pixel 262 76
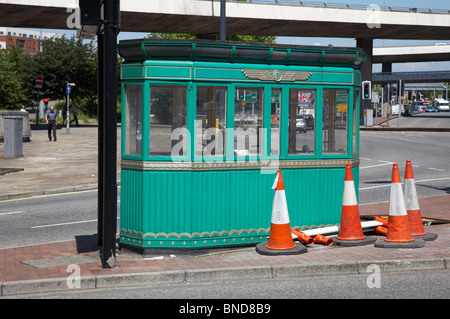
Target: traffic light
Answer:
pixel 45 103
pixel 366 90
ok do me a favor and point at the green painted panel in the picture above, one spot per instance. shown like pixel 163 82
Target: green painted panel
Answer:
pixel 132 72
pixel 195 209
pixel 168 72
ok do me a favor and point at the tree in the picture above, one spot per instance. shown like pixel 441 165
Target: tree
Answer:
pixel 12 95
pixel 239 38
pixel 65 60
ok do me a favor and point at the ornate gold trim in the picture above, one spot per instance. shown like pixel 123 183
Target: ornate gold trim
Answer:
pixel 204 166
pixel 275 75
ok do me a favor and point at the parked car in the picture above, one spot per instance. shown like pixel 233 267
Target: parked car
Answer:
pixel 429 108
pixel 300 123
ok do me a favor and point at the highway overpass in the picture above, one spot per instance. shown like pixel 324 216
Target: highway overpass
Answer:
pixel 287 18
pixel 411 77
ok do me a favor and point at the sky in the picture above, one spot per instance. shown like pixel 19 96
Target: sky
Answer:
pixel 397 67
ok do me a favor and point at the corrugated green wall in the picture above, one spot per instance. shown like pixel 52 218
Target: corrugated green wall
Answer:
pixel 169 209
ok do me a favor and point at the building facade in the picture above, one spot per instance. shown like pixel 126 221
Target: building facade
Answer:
pixel 29 40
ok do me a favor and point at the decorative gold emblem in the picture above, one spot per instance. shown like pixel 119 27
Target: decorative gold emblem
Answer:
pixel 276 75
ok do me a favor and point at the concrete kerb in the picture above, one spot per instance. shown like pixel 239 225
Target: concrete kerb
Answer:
pixel 63 190
pixel 220 275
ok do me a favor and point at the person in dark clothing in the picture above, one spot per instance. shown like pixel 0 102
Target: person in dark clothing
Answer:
pixel 75 114
pixel 51 118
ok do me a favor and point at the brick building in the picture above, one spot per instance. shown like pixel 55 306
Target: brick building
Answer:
pixel 27 39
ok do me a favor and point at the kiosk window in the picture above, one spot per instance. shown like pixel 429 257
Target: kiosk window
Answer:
pixel 168 120
pixel 302 112
pixel 335 106
pixel 248 119
pixel 210 121
pixel 275 115
pixel 133 119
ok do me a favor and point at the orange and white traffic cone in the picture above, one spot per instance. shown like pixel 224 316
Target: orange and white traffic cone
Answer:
pixel 350 230
pixel 412 206
pixel 302 237
pixel 280 238
pixel 398 231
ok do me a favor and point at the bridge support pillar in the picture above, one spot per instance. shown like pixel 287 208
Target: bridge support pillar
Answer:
pixel 386 67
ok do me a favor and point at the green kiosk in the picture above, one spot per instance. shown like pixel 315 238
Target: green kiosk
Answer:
pixel 205 125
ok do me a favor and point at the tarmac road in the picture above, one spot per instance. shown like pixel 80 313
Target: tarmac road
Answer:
pixel 429 284
pixel 428 152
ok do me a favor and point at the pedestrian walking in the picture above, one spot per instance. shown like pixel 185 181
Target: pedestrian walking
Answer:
pixel 74 112
pixel 64 115
pixel 51 118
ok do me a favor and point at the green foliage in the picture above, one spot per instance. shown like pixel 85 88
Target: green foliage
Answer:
pixel 238 38
pixel 12 95
pixel 64 60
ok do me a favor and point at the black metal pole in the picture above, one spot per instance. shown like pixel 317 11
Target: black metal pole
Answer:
pixel 100 138
pixel 111 28
pixel 222 20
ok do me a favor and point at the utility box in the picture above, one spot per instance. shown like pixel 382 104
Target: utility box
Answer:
pixel 13 127
pixel 368 117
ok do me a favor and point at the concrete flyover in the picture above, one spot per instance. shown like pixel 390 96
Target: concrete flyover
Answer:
pixel 287 18
pixel 422 53
pixel 411 77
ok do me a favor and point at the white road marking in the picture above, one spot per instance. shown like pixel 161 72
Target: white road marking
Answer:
pixel 417 182
pixel 11 213
pixel 64 224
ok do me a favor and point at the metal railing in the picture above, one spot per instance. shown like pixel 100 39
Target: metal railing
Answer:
pixel 347 6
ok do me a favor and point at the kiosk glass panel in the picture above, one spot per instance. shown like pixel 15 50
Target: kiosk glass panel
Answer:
pixel 167 119
pixel 211 121
pixel 133 119
pixel 248 119
pixel 302 111
pixel 334 134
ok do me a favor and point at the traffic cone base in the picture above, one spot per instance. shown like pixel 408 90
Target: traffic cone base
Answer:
pixel 368 240
pixel 427 237
pixel 382 243
pixel 262 249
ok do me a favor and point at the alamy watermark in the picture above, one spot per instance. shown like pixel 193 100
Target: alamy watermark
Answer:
pixel 374 16
pixel 374 279
pixel 74 279
pixel 73 20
